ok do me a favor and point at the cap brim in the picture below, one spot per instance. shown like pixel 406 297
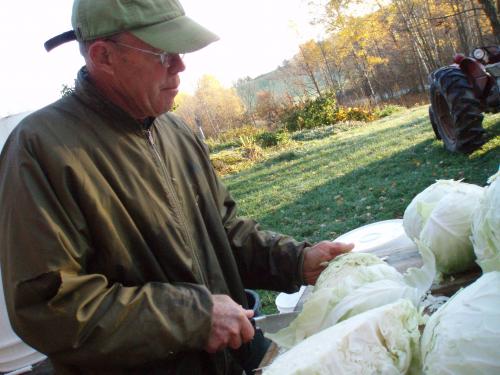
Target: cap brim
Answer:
pixel 56 41
pixel 180 35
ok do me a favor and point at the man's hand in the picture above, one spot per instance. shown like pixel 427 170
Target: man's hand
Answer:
pixel 316 258
pixel 230 324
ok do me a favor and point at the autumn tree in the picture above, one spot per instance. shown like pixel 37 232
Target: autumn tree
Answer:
pixel 382 49
pixel 247 91
pixel 213 107
pixel 268 107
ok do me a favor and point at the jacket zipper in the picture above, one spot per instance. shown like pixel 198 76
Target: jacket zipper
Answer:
pixel 176 203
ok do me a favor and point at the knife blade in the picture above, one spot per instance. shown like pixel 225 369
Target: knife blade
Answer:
pixel 274 322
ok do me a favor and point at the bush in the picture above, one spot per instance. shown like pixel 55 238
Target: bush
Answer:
pixel 232 138
pixel 237 133
pixel 387 110
pixel 313 113
pixel 250 149
pixel 355 114
pixel 270 139
pixel 322 111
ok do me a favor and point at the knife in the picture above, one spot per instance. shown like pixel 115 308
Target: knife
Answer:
pixel 274 322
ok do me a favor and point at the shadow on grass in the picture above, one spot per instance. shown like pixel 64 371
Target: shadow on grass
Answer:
pixel 325 158
pixel 379 191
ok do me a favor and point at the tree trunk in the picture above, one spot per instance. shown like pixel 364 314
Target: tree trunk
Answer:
pixel 364 72
pixel 310 72
pixel 434 40
pixel 491 13
pixel 413 26
pixel 329 74
pixel 480 36
pixel 421 76
pixel 463 35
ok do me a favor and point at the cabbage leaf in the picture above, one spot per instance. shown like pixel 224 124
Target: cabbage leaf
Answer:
pixel 351 284
pixel 420 208
pixel 463 336
pixel 486 227
pixel 383 340
pixel 447 230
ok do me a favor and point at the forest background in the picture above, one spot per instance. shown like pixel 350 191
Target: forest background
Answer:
pixel 364 63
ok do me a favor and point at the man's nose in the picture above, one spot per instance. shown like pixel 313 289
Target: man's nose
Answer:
pixel 177 65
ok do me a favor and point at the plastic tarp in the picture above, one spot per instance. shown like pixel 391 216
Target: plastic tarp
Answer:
pixel 7 124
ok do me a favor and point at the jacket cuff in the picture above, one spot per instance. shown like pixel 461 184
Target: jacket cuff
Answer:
pixel 201 312
pixel 300 265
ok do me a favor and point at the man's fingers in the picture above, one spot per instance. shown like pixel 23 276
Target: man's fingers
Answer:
pixel 235 342
pixel 231 325
pixel 341 248
pixel 247 330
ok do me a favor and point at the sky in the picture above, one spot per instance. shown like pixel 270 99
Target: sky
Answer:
pixel 256 37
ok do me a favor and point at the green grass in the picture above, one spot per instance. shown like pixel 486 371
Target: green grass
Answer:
pixel 342 177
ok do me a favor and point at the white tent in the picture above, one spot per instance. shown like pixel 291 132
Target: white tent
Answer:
pixel 7 124
pixel 14 353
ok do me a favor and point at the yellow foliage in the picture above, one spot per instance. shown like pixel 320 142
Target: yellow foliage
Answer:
pixel 217 108
pixel 376 60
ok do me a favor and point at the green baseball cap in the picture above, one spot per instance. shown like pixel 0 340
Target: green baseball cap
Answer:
pixel 162 24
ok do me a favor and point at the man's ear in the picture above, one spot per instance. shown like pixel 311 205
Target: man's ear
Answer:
pixel 102 56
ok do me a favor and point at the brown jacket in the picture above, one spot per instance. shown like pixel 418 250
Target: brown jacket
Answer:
pixel 113 236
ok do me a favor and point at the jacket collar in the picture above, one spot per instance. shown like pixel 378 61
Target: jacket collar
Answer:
pixel 93 98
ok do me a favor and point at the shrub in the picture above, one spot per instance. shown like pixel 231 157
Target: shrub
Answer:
pixel 232 138
pixel 387 110
pixel 237 133
pixel 357 114
pixel 313 113
pixel 250 149
pixel 322 111
pixel 270 139
pixel 253 152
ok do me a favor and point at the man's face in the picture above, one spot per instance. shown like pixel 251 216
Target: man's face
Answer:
pixel 144 86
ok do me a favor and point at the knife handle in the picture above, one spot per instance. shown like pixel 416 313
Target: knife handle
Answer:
pixel 254 325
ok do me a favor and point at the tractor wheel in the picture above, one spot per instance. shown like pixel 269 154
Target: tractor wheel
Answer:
pixel 432 118
pixel 455 112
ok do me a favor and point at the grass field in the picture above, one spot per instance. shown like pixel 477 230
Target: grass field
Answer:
pixel 339 178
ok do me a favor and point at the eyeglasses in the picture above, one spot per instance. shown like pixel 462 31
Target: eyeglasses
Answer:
pixel 166 59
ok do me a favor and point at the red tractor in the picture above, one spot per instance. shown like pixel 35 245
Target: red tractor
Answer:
pixel 459 95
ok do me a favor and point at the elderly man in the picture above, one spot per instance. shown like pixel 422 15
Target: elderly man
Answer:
pixel 121 250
